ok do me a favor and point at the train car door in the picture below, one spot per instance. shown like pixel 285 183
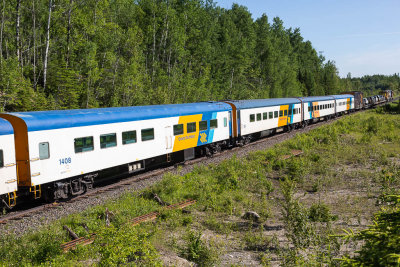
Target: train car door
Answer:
pixel 168 138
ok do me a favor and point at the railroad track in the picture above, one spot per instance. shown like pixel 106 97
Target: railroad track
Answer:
pixel 18 215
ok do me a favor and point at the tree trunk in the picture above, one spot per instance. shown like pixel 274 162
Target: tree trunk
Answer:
pixel 154 46
pixel 69 30
pixel 17 45
pixel 1 31
pixel 46 55
pixel 34 44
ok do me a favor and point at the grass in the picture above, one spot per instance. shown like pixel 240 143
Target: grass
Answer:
pixel 346 170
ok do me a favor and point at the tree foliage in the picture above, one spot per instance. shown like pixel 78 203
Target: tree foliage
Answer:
pixel 120 53
pixel 105 53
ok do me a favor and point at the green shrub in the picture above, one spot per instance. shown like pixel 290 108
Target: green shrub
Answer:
pixel 297 224
pixel 255 240
pixel 320 212
pixel 196 250
pixel 125 245
pixel 381 241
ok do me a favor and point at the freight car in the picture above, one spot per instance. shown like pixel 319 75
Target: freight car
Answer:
pixel 387 94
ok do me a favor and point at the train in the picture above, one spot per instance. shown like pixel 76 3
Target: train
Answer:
pixel 55 155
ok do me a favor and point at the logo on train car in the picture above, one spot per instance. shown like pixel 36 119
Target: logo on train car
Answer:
pixel 197 138
pixel 203 138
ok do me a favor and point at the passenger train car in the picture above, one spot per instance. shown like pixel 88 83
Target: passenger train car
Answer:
pixel 8 173
pixel 59 154
pixel 62 152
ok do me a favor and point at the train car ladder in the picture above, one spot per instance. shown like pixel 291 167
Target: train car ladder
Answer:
pixel 36 190
pixel 12 199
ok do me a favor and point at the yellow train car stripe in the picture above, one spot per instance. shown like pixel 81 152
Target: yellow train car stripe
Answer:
pixel 315 113
pixel 284 119
pixel 187 140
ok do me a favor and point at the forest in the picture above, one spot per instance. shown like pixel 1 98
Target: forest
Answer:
pixel 66 54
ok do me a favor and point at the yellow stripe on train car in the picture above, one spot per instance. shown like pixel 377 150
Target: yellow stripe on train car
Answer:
pixel 187 140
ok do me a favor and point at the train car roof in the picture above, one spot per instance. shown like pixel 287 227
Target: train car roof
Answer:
pixel 57 119
pixel 258 103
pixel 342 96
pixel 316 98
pixel 324 98
pixel 5 127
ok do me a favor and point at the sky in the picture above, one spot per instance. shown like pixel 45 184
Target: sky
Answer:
pixel 361 36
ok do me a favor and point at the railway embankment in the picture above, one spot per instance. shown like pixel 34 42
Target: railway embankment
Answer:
pixel 288 204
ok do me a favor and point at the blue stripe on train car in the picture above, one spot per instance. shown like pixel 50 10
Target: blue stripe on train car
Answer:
pixel 207 136
pixel 57 119
pixel 5 127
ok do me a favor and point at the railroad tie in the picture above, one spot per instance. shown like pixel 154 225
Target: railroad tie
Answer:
pixel 135 221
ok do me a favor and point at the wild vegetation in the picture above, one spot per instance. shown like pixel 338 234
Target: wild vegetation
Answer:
pixel 348 171
pixel 371 84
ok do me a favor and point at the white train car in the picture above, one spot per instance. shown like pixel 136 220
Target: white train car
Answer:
pixel 316 107
pixel 259 117
pixel 68 150
pixel 8 172
pixel 344 103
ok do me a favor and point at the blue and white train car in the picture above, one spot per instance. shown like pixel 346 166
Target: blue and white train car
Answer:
pixel 67 150
pixel 344 103
pixel 316 107
pixel 8 172
pixel 262 116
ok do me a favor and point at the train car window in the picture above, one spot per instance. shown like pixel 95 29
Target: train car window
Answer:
pixel 128 137
pixel 290 112
pixel 225 122
pixel 275 114
pixel 265 115
pixel 178 129
pixel 202 125
pixel 309 108
pixel 252 118
pixel 44 152
pixel 271 115
pixel 108 140
pixel 285 112
pixel 295 111
pixel 280 113
pixel 191 127
pixel 258 116
pixel 213 124
pixel 83 144
pixel 1 159
pixel 147 134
